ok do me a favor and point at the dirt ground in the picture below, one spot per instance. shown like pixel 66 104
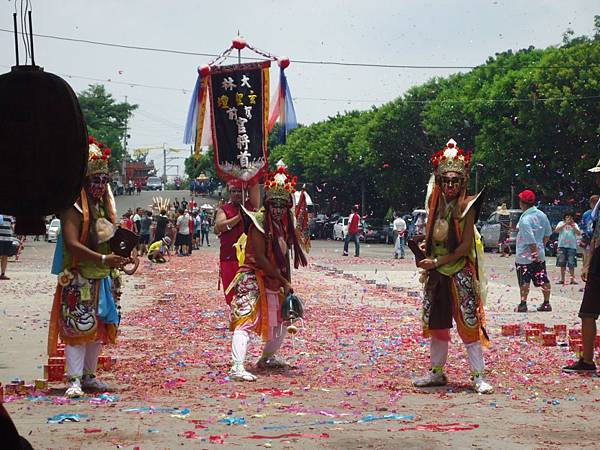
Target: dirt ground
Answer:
pixel 354 361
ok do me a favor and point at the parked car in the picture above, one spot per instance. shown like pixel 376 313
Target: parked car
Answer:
pixel 153 184
pixel 340 229
pixel 53 230
pixel 375 230
pixel 117 187
pixel 490 230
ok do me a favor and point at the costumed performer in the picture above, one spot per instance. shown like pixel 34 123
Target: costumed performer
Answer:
pixel 264 278
pixel 455 284
pixel 230 226
pixel 84 312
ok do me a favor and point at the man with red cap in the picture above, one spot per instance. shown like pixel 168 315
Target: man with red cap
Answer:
pixel 230 226
pixel 534 230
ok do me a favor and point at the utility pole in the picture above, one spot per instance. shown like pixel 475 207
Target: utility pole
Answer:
pixel 124 156
pixel 165 162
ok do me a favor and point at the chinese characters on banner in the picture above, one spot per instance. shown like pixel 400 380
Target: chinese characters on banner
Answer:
pixel 240 105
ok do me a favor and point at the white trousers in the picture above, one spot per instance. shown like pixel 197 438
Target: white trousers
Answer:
pixel 239 344
pixel 439 354
pixel 82 359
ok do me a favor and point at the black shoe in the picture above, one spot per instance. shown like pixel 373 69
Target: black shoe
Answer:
pixel 522 307
pixel 545 307
pixel 580 366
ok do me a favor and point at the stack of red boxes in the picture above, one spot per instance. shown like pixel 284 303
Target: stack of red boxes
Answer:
pixel 575 343
pixel 511 329
pixel 55 369
pixel 549 339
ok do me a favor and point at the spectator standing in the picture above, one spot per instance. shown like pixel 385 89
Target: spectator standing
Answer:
pixel 504 219
pixel 590 305
pixel 145 223
pixel 137 220
pixel 400 233
pixel 191 226
pixel 420 225
pixel 205 229
pixel 534 230
pixel 566 256
pixel 176 204
pixel 184 204
pixel 127 222
pixel 183 232
pixel 352 234
pixel 161 225
pixel 7 244
pixel 587 226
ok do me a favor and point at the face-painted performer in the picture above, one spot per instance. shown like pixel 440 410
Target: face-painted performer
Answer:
pixel 264 277
pixel 84 313
pixel 230 226
pixel 455 281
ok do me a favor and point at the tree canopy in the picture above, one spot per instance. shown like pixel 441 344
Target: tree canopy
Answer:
pixel 531 118
pixel 106 119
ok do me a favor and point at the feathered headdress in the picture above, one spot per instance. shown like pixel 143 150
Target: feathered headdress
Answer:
pixel 280 185
pixel 98 157
pixel 451 159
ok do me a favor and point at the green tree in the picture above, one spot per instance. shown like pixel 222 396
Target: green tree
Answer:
pixel 106 119
pixel 205 164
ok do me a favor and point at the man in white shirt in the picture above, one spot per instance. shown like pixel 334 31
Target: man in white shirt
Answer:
pixel 400 233
pixel 183 233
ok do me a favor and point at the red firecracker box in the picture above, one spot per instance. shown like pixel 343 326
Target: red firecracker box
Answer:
pixel 511 329
pixel 560 329
pixel 60 351
pixel 549 339
pixel 54 372
pixel 579 351
pixel 56 360
pixel 537 326
pixel 574 333
pixel 532 334
pixel 574 344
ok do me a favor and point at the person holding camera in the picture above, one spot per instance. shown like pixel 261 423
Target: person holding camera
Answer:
pixel 568 232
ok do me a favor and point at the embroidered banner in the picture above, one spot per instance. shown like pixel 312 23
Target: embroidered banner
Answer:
pixel 239 96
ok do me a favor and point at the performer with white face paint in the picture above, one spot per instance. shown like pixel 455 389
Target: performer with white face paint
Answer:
pixel 454 281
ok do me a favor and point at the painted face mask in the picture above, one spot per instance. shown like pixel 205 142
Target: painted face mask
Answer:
pixel 451 185
pixel 97 185
pixel 277 208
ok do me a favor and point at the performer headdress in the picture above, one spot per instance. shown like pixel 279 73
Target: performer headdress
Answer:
pixel 279 186
pixel 451 159
pixel 98 158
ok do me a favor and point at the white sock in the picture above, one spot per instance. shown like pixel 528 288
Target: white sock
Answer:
pixel 90 363
pixel 439 353
pixel 475 353
pixel 273 344
pixel 239 346
pixel 74 357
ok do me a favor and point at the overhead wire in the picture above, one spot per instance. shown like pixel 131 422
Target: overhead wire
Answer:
pixel 296 61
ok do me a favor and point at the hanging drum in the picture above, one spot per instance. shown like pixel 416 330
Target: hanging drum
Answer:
pixel 43 146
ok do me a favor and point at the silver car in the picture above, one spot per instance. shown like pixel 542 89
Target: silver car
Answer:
pixel 490 230
pixel 53 230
